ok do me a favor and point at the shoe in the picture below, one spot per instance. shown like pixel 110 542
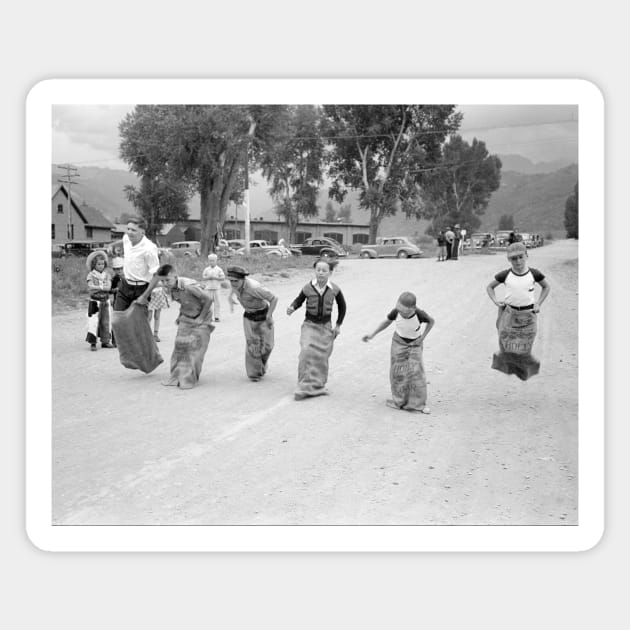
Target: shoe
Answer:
pixel 216 319
pixel 155 336
pixel 107 345
pixel 390 403
pixel 425 410
pixel 93 347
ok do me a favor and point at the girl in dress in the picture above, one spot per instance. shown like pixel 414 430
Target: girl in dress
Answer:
pixel 99 309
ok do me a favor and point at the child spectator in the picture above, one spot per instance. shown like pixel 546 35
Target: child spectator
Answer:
pixel 214 277
pixel 158 301
pixel 518 313
pixel 98 315
pixel 406 374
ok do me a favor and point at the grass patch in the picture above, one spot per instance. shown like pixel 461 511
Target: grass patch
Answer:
pixel 69 284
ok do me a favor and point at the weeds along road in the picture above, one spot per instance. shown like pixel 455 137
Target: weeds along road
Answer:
pixel 128 451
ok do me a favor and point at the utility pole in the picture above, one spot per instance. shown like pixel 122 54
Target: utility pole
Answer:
pixel 71 172
pixel 246 204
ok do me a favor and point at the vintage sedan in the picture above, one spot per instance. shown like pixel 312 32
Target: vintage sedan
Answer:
pixel 478 240
pixel 320 246
pixel 391 246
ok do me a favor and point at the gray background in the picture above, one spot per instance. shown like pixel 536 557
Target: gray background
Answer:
pixel 275 39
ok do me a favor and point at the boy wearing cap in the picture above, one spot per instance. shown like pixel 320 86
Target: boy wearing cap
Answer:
pixel 259 304
pixel 518 313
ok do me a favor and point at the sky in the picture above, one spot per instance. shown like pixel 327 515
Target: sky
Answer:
pixel 87 135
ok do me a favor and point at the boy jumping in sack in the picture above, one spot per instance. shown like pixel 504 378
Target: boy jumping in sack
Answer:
pixel 517 319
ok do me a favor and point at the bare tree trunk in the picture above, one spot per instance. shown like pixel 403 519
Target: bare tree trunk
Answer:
pixel 375 221
pixel 292 221
pixel 210 214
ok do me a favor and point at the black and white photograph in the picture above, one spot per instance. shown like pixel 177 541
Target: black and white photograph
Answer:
pixel 348 313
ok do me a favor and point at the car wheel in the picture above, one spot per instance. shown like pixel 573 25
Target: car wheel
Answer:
pixel 327 253
pixel 403 254
pixel 365 255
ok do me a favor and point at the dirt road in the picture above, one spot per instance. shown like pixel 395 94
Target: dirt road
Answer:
pixel 494 451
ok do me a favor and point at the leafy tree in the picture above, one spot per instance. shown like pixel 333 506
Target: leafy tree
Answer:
pixel 506 222
pixel 459 189
pixel 571 219
pixel 331 213
pixel 159 202
pixel 345 213
pixel 292 163
pixel 209 148
pixel 376 148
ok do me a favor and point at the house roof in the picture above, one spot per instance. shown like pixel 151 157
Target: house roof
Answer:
pixel 91 216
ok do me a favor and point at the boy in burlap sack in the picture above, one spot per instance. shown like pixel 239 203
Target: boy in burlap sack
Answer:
pixel 518 314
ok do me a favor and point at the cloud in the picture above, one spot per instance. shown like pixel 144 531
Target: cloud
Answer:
pixel 538 132
pixel 87 133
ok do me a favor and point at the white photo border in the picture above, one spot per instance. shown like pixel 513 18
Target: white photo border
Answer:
pixel 398 538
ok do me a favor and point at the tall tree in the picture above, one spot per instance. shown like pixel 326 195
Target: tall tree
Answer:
pixel 459 189
pixel 375 148
pixel 330 212
pixel 292 163
pixel 207 147
pixel 571 214
pixel 159 202
pixel 345 212
pixel 506 222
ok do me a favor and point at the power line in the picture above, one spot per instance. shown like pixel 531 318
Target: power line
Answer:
pixel 389 135
pixel 71 171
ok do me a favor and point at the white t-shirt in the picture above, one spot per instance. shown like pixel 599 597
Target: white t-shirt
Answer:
pixel 409 327
pixel 141 261
pixel 519 290
pixel 213 276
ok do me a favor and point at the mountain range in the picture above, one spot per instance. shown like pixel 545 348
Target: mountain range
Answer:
pixel 534 193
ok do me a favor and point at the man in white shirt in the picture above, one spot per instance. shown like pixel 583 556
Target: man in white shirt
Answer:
pixel 140 265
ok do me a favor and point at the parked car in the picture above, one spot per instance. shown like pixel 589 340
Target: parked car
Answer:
pixel 391 246
pixel 58 251
pixel 258 246
pixel 186 248
pixel 320 246
pixel 530 240
pixel 481 239
pixel 236 243
pixel 84 248
pixel 501 238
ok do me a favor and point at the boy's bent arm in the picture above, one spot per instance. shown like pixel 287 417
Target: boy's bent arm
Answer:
pixel 382 326
pixel 490 290
pixel 427 328
pixel 543 294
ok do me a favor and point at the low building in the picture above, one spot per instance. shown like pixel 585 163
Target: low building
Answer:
pixel 75 220
pixel 272 230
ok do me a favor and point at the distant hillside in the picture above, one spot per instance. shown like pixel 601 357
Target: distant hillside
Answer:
pixel 102 188
pixel 535 199
pixel 520 164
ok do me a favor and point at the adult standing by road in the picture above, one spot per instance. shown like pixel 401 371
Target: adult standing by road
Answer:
pixel 134 338
pixel 259 304
pixel 449 237
pixel 455 245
